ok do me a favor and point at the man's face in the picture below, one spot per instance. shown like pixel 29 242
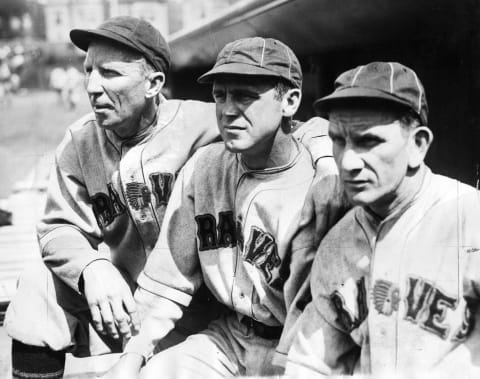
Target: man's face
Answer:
pixel 370 147
pixel 116 85
pixel 248 113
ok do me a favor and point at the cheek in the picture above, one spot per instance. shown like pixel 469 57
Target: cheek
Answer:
pixel 392 169
pixel 132 92
pixel 218 112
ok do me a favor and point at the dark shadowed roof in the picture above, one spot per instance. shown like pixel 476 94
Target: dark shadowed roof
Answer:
pixel 311 26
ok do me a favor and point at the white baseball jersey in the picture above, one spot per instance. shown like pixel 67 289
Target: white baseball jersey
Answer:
pixel 399 295
pixel 105 189
pixel 229 227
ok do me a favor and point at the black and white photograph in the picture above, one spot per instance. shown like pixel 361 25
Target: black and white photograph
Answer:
pixel 273 189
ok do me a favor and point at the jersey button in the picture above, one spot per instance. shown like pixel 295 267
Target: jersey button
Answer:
pixel 242 295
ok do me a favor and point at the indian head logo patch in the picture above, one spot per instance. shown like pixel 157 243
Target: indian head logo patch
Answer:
pixel 138 195
pixel 386 297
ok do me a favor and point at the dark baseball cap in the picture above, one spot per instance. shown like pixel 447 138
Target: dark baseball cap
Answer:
pixel 256 56
pixel 134 33
pixel 385 81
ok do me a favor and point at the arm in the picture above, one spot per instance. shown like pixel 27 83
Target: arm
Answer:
pixel 319 348
pixel 324 205
pixel 69 237
pixel 202 122
pixel 171 276
pixel 68 233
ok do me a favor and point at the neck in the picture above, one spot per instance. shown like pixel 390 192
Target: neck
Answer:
pixel 140 124
pixel 272 153
pixel 404 194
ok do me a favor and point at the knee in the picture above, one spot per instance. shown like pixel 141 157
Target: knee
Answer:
pixel 33 275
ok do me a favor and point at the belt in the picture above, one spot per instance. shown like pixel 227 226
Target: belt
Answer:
pixel 265 331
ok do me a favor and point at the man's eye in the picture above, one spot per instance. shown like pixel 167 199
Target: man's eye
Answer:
pixel 368 142
pixel 218 97
pixel 109 73
pixel 244 97
pixel 338 140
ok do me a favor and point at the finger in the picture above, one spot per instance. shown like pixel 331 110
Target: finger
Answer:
pixel 131 308
pixel 108 320
pixel 121 318
pixel 96 318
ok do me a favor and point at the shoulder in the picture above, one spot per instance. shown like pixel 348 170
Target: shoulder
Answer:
pixel 209 164
pixel 448 190
pixel 199 111
pixel 85 122
pixel 190 117
pixel 212 155
pixel 82 129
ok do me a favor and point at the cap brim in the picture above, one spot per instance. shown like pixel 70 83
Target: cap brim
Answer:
pixel 235 69
pixel 323 105
pixel 82 38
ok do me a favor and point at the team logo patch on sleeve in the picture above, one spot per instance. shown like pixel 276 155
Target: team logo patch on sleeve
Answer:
pixel 138 195
pixel 386 297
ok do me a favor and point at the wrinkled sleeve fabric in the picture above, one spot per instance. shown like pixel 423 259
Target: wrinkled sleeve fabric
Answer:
pixel 202 120
pixel 319 348
pixel 325 204
pixel 68 232
pixel 172 273
pixel 321 345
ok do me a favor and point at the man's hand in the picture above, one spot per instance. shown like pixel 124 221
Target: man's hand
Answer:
pixel 128 367
pixel 110 300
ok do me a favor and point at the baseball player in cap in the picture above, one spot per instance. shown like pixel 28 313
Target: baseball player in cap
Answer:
pixel 113 175
pixel 233 211
pixel 112 180
pixel 395 282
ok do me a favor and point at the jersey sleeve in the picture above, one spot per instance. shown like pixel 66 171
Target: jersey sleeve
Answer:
pixel 172 271
pixel 313 134
pixel 319 348
pixel 158 316
pixel 325 204
pixel 68 233
pixel 203 123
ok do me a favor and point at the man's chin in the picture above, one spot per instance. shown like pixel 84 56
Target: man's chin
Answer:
pixel 233 147
pixel 105 124
pixel 359 199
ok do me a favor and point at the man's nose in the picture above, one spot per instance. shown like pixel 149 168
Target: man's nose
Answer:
pixel 350 160
pixel 93 83
pixel 230 107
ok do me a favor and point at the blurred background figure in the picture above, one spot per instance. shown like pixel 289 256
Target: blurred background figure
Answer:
pixel 5 84
pixel 72 87
pixel 57 80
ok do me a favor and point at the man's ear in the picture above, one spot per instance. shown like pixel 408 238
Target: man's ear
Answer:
pixel 420 140
pixel 291 102
pixel 156 81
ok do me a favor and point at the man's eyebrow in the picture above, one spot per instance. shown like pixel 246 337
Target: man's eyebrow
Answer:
pixel 367 135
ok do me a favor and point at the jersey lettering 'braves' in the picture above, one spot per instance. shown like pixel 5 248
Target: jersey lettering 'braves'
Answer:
pixel 425 306
pixel 411 308
pixel 116 191
pixel 229 227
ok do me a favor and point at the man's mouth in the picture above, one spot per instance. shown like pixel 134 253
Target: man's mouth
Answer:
pixel 233 128
pixel 356 182
pixel 101 107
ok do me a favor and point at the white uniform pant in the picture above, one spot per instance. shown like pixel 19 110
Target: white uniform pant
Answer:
pixel 226 348
pixel 46 312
